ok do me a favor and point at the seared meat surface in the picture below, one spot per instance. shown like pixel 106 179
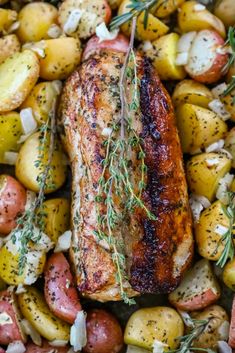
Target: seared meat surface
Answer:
pixel 157 251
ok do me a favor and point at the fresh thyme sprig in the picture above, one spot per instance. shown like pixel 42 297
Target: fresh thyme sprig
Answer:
pixel 116 180
pixel 186 341
pixel 136 8
pixel 24 230
pixel 228 238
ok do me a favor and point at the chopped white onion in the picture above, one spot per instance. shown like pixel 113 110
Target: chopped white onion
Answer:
pixel 196 208
pixel 224 185
pixel 20 289
pixel 38 48
pixel 218 107
pixel 223 330
pixel 199 7
pixel 220 229
pixel 10 157
pixel 219 89
pixel 135 349
pixel 31 332
pixel 28 122
pixel 147 45
pixel 58 343
pixel 78 336
pixel 107 131
pixel 14 27
pixel 103 33
pixel 223 347
pixel 202 199
pixel 215 147
pixel 186 318
pixel 159 347
pixel 73 20
pixel 181 58
pixel 210 162
pixel 16 347
pixel 185 42
pixel 5 318
pixel 54 31
pixel 64 242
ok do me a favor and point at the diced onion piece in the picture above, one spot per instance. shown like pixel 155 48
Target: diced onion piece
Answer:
pixel 181 58
pixel 14 27
pixel 58 343
pixel 16 347
pixel 223 330
pixel 215 147
pixel 31 332
pixel 147 45
pixel 28 122
pixel 38 47
pixel 107 131
pixel 203 200
pixel 212 162
pixel 224 185
pixel 196 208
pixel 185 42
pixel 20 289
pixel 5 319
pixel 219 89
pixel 64 242
pixel 78 336
pixel 218 107
pixel 103 33
pixel 199 7
pixel 159 347
pixel 220 229
pixel 135 349
pixel 223 347
pixel 54 31
pixel 186 318
pixel 10 157
pixel 73 20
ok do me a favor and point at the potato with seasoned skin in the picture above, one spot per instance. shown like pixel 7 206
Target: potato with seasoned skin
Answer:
pixel 225 11
pixel 7 18
pixel 229 274
pixel 104 333
pixel 198 289
pixel 8 46
pixel 192 92
pixel 12 202
pixel 10 132
pixel 165 8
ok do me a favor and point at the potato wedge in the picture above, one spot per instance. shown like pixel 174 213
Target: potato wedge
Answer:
pixel 165 8
pixel 229 144
pixel 157 323
pixel 204 172
pixel 198 127
pixel 225 11
pixel 27 169
pixel 192 19
pixel 18 75
pixel 35 310
pixel 9 45
pixel 90 15
pixel 229 274
pixel 57 217
pixel 198 289
pixel 7 18
pixel 10 329
pixel 207 235
pixel 216 330
pixel 35 20
pixel 62 55
pixel 193 92
pixel 10 132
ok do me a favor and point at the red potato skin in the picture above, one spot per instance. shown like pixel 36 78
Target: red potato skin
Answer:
pixel 198 302
pixel 104 334
pixel 216 70
pixel 119 44
pixel 9 332
pixel 61 298
pixel 108 13
pixel 45 348
pixel 231 340
pixel 12 202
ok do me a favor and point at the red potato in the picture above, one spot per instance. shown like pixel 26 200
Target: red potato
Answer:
pixel 206 58
pixel 12 202
pixel 231 340
pixel 104 334
pixel 198 289
pixel 119 44
pixel 10 329
pixel 45 348
pixel 59 290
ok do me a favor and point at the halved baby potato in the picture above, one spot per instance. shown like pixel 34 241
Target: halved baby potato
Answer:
pixel 229 274
pixel 10 132
pixel 34 308
pixel 204 172
pixel 165 8
pixel 7 18
pixel 198 127
pixel 193 92
pixel 225 11
pixel 9 45
pixel 18 75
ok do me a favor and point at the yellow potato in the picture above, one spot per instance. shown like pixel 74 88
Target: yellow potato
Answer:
pixel 225 10
pixel 34 308
pixel 216 330
pixel 229 144
pixel 232 186
pixel 7 18
pixel 158 323
pixel 166 7
pixel 154 30
pixel 230 73
pixel 204 172
pixel 9 266
pixel 190 91
pixel 62 55
pixel 41 99
pixel 198 127
pixel 10 132
pixel 228 102
pixel 27 169
pixel 190 19
pixel 18 75
pixel 206 234
pixel 57 217
pixel 8 46
pixel 35 20
pixel 229 274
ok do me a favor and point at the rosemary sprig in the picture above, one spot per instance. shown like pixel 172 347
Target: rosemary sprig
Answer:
pixel 228 238
pixel 34 215
pixel 231 42
pixel 136 8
